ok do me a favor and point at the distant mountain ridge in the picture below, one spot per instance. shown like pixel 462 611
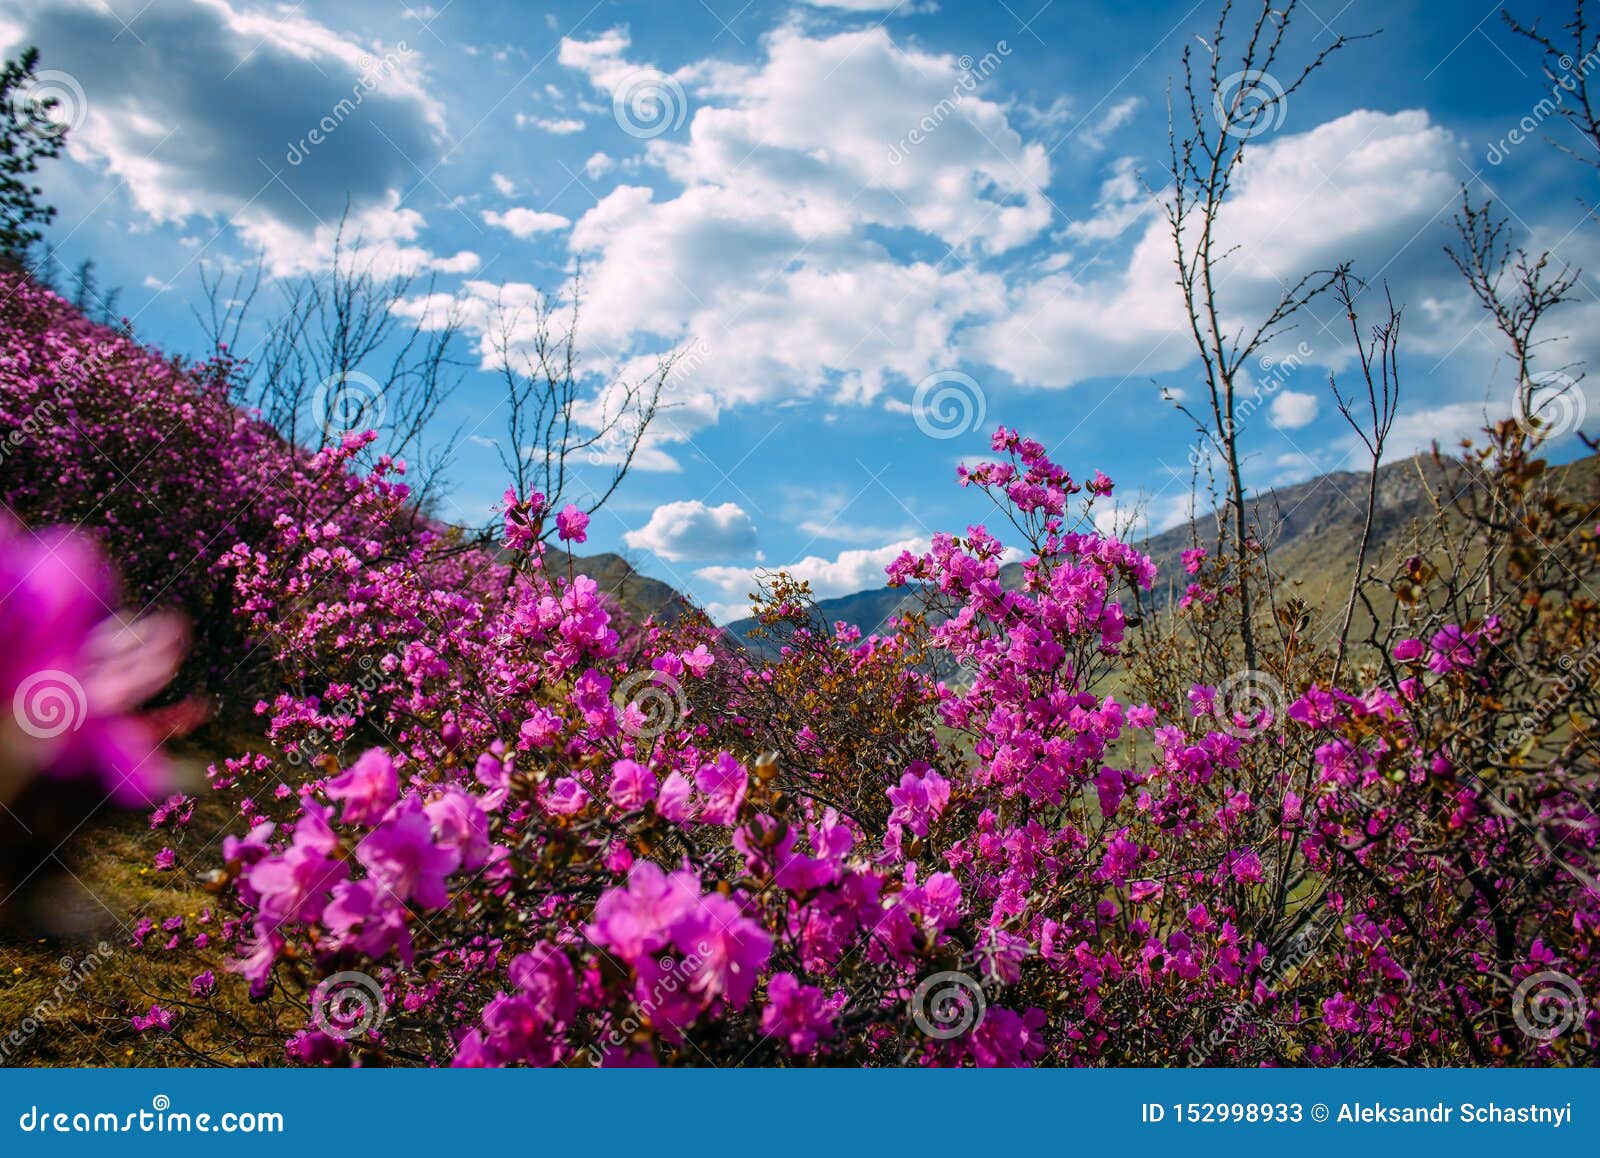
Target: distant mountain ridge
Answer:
pixel 1312 528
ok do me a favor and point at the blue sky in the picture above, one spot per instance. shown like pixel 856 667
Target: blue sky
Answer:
pixel 826 206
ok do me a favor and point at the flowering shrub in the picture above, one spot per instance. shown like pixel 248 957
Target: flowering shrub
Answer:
pixel 496 823
pixel 145 452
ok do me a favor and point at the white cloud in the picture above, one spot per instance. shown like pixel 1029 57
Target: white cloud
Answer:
pixel 556 126
pixel 690 530
pixel 1292 409
pixel 848 572
pixel 525 223
pixel 503 185
pixel 1363 187
pixel 766 257
pixel 384 239
pixel 598 165
pixel 1094 136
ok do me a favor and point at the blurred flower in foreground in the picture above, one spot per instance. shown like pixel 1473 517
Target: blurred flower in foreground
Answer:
pixel 74 674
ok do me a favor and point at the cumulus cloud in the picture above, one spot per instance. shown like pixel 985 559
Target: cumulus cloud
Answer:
pixel 844 574
pixel 384 238
pixel 273 119
pixel 1365 187
pixel 1292 409
pixel 690 530
pixel 556 126
pixel 525 223
pixel 767 258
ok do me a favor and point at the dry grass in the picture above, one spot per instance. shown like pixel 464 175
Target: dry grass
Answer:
pixel 67 997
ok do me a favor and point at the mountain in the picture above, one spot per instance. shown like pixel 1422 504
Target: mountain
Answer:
pixel 1312 529
pixel 638 594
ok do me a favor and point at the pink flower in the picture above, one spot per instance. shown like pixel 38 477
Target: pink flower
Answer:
pixel 1407 650
pixel 638 919
pixel 401 855
pixel 796 1013
pixel 368 787
pixel 632 785
pixel 920 798
pixel 75 675
pixel 156 1018
pixel 572 524
pixel 566 797
pixel 722 784
pixel 730 949
pixel 523 519
pixel 1192 558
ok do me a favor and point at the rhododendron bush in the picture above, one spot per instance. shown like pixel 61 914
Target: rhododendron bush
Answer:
pixel 492 821
pixel 525 845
